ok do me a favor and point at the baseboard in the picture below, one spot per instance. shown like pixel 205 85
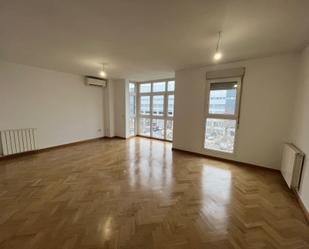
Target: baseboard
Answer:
pixel 48 149
pixel 224 159
pixel 69 144
pixel 118 137
pixel 301 204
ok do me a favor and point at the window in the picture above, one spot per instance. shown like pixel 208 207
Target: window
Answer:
pixel 132 87
pixel 169 130
pixel 156 109
pixel 158 105
pixel 132 105
pixel 145 105
pixel 170 105
pixel 220 134
pixel 132 109
pixel 158 87
pixel 222 115
pixel 222 98
pixel 158 128
pixel 144 126
pixel 145 88
pixel 171 86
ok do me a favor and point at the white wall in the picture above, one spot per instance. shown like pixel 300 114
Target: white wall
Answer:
pixel 120 93
pixel 59 105
pixel 266 109
pixel 109 119
pixel 116 108
pixel 300 130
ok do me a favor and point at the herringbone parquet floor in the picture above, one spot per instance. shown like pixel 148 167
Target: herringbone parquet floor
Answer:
pixel 139 194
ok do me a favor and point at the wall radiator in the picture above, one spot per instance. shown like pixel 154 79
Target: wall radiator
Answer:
pixel 18 141
pixel 291 165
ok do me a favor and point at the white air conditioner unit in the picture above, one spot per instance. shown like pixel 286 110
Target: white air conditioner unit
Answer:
pixel 95 81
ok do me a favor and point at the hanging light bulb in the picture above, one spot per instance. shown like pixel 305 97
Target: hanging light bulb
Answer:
pixel 103 72
pixel 218 54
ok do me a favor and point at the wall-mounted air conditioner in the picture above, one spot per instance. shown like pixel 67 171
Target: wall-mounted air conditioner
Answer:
pixel 95 81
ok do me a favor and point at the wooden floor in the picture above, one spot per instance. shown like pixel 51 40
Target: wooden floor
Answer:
pixel 140 194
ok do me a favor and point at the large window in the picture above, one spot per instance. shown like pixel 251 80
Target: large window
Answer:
pixel 222 114
pixel 132 109
pixel 156 109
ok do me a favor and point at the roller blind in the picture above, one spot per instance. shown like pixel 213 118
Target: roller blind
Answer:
pixel 226 73
pixel 222 86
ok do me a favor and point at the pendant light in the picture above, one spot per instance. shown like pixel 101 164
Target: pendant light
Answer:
pixel 218 55
pixel 103 72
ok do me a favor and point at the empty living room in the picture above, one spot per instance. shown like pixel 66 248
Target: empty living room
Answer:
pixel 176 124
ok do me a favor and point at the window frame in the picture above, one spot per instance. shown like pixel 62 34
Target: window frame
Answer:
pixel 235 116
pixel 164 117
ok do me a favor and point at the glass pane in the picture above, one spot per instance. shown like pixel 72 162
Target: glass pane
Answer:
pixel 132 105
pixel 158 87
pixel 144 126
pixel 132 126
pixel 132 87
pixel 158 105
pixel 169 130
pixel 158 128
pixel 171 86
pixel 170 107
pixel 145 88
pixel 222 98
pixel 145 105
pixel 220 134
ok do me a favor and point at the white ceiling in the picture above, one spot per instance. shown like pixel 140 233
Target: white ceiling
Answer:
pixel 147 39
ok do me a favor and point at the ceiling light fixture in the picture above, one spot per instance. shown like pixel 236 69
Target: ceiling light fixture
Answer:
pixel 103 72
pixel 218 54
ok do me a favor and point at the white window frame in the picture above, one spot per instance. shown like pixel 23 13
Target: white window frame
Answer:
pixel 165 116
pixel 236 116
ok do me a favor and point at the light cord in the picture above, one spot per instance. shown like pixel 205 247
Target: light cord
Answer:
pixel 219 41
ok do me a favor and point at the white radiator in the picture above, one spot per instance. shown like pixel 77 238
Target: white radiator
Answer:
pixel 18 141
pixel 291 165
